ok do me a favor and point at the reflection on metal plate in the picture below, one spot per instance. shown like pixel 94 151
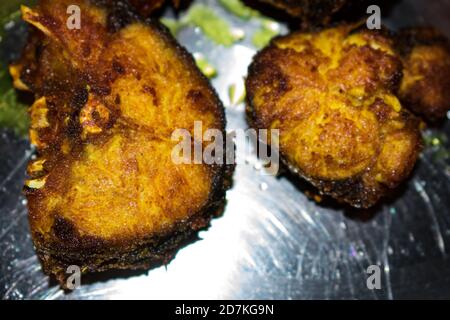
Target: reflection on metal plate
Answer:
pixel 272 241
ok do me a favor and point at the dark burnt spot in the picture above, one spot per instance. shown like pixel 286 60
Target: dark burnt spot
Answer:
pixel 264 73
pixel 394 81
pixel 145 7
pixel 150 90
pixel 120 14
pixel 381 110
pixel 69 237
pixel 195 95
pixel 79 98
pixel 96 116
pixel 201 102
pixel 117 100
pixel 114 114
pixel 86 49
pixel 64 230
pixel 101 90
pixel 117 67
pixel 410 119
pixel 277 81
pixel 73 128
pixel 353 190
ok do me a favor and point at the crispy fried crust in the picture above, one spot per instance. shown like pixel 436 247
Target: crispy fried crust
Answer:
pixel 332 95
pixel 104 192
pixel 311 10
pixel 146 7
pixel 425 87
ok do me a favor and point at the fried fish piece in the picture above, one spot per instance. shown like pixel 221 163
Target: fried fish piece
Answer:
pixel 425 88
pixel 332 95
pixel 104 191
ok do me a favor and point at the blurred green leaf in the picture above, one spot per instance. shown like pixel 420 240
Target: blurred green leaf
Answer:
pixel 13 114
pixel 213 26
pixel 238 8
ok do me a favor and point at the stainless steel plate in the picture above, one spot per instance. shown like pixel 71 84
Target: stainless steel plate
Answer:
pixel 272 241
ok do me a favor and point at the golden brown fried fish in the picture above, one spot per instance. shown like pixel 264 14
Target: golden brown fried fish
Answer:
pixel 332 95
pixel 425 88
pixel 104 192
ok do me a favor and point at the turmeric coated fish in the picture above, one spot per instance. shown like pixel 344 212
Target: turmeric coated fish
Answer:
pixel 425 87
pixel 333 96
pixel 103 192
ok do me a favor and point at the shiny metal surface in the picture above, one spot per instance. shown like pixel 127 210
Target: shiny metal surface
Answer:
pixel 272 241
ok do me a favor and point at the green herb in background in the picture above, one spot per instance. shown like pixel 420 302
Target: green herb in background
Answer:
pixel 441 154
pixel 236 93
pixel 219 30
pixel 268 30
pixel 436 143
pixel 239 9
pixel 173 25
pixel 205 67
pixel 434 139
pixel 213 26
pixel 13 114
pixel 10 11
